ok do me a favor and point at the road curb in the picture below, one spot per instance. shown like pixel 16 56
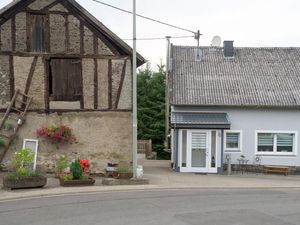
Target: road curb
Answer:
pixel 68 192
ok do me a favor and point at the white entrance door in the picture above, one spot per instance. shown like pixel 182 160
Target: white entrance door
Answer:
pixel 199 151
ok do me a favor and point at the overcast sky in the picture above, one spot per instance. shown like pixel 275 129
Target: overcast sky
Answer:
pixel 259 23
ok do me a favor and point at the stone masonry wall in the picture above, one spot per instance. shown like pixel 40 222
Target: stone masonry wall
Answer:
pixel 21 32
pixel 5 30
pixel 40 4
pixel 88 69
pixel 4 81
pixel 88 41
pixel 103 49
pixel 125 97
pixel 102 137
pixel 58 7
pixel 117 68
pixel 74 34
pixel 102 83
pixel 57 34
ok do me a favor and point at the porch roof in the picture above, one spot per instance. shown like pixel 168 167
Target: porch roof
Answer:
pixel 200 120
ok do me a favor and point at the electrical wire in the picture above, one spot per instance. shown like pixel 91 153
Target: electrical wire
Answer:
pixel 156 38
pixel 145 17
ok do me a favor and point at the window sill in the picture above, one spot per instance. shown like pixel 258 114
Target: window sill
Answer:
pixel 276 154
pixel 232 151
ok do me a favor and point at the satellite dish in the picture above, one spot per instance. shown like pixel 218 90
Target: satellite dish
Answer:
pixel 216 41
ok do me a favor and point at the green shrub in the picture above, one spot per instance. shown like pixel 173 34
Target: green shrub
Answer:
pixel 85 177
pixel 24 158
pixel 122 170
pixel 67 177
pixel 76 170
pixel 24 172
pixel 61 164
pixel 9 126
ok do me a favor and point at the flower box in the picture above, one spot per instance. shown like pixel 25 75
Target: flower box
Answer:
pixel 71 183
pixel 24 182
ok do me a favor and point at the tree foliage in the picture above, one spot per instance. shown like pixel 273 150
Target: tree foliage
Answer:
pixel 151 106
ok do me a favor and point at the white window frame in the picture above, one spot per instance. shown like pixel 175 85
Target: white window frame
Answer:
pixel 35 151
pixel 233 150
pixel 275 153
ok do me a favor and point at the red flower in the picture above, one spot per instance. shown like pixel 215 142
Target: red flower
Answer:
pixel 58 134
pixel 85 165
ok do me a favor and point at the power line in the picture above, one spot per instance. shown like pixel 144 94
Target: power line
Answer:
pixel 156 38
pixel 145 17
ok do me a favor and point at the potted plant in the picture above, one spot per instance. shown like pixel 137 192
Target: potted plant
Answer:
pixel 23 176
pixel 123 173
pixel 78 176
pixel 57 134
pixel 61 166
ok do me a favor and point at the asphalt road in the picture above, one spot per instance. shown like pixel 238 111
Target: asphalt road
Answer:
pixel 176 207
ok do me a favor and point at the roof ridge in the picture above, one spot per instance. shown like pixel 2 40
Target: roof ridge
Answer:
pixel 237 47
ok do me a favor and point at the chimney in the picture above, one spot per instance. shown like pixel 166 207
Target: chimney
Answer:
pixel 228 49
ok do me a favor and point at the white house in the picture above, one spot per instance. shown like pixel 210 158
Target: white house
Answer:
pixel 234 101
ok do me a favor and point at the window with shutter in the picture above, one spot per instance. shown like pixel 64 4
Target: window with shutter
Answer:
pixel 232 141
pixel 272 142
pixel 65 79
pixel 265 142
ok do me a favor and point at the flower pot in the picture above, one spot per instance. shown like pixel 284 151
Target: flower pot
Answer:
pixel 70 183
pixel 24 182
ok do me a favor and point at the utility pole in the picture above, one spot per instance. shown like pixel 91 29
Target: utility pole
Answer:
pixel 134 97
pixel 167 109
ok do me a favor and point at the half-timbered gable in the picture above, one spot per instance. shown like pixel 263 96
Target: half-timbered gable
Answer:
pixel 57 52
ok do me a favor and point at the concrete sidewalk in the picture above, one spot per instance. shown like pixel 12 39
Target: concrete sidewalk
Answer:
pixel 162 177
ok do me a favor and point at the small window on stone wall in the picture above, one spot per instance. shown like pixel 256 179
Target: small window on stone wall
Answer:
pixel 37 34
pixel 65 82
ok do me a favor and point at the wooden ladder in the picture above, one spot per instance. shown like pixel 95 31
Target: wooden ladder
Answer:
pixel 16 112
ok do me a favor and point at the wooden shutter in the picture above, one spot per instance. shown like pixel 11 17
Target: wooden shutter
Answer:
pixel 66 79
pixel 74 78
pixel 38 32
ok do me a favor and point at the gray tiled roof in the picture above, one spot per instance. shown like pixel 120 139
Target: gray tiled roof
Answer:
pixel 200 120
pixel 257 77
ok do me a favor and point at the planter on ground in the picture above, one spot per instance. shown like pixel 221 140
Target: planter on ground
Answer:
pixel 24 182
pixel 69 183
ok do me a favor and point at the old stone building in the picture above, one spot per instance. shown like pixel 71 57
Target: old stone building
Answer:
pixel 78 73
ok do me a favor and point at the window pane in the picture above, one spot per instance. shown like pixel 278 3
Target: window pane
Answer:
pixel 265 142
pixel 198 140
pixel 232 140
pixel 285 142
